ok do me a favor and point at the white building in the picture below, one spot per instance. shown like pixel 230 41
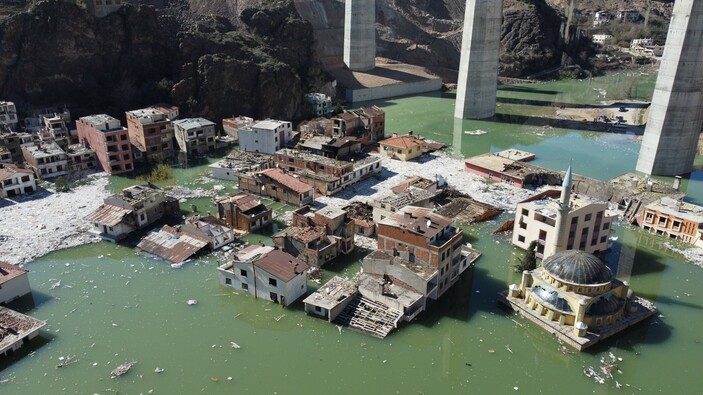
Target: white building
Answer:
pixel 14 283
pixel 319 104
pixel 265 137
pixel 567 223
pixel 628 15
pixel 602 39
pixel 641 43
pixel 601 18
pixel 15 181
pixel 196 136
pixel 266 273
pixel 8 114
pixel 47 160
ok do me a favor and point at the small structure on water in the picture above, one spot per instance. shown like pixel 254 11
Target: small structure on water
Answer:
pixel 575 296
pixel 267 273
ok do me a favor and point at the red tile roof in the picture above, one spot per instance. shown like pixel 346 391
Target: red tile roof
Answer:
pixel 281 265
pixel 8 272
pixel 286 180
pixel 402 142
pixel 8 170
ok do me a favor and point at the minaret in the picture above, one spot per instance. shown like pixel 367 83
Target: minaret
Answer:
pixel 478 67
pixel 561 229
pixel 360 34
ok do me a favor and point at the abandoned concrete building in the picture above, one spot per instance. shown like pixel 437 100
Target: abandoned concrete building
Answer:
pixel 403 148
pixel 195 136
pixel 133 209
pixel 341 148
pixel 277 185
pixel 317 236
pixel 420 236
pixel 416 191
pixel 238 162
pixel 16 181
pixel 233 125
pixel 109 140
pixel 267 273
pixel 266 136
pixel 80 158
pixel 366 123
pixel 47 160
pixel 328 176
pixel 151 131
pixel 244 212
pixel 173 244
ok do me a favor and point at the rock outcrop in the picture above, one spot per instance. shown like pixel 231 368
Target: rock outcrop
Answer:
pixel 56 53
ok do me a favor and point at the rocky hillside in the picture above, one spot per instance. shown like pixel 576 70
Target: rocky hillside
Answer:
pixel 55 53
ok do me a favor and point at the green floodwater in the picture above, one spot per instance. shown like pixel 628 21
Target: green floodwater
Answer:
pixel 115 305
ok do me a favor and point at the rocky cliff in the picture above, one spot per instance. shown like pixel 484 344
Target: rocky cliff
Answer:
pixel 55 53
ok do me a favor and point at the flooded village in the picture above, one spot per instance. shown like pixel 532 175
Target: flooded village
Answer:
pixel 153 252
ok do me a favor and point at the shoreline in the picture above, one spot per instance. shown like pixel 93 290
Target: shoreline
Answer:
pixel 46 221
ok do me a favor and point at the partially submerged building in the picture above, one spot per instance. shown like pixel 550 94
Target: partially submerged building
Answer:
pixel 109 140
pixel 559 221
pixel 499 168
pixel 195 136
pixel 266 136
pixel 341 148
pixel 151 131
pixel 416 191
pixel 331 298
pixel 14 283
pixel 244 212
pixel 317 236
pixel 133 209
pixel 328 176
pixel 267 273
pixel 238 162
pixel 423 237
pixel 277 185
pixel 575 297
pixel 16 329
pixel 362 216
pixel 675 219
pixel 173 244
pixel 16 181
pixel 366 123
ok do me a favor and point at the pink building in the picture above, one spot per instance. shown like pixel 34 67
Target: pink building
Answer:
pixel 110 141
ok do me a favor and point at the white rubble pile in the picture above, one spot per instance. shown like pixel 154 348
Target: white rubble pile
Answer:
pixel 44 222
pixel 694 254
pixel 365 242
pixel 184 193
pixel 452 169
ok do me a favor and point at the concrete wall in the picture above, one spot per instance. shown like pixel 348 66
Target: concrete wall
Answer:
pixel 675 116
pixel 15 288
pixel 478 68
pixel 360 34
pixel 404 89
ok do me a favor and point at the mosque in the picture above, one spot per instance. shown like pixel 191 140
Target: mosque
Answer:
pixel 575 296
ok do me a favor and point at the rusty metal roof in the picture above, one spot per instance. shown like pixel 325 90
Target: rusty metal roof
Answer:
pixel 108 215
pixel 8 272
pixel 286 180
pixel 281 265
pixel 244 202
pixel 172 244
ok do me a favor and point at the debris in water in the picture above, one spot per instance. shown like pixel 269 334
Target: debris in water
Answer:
pixel 507 347
pixel 56 284
pixel 192 302
pixel 215 379
pixel 235 345
pixel 158 370
pixel 339 328
pixel 229 378
pixel 280 317
pixel 121 370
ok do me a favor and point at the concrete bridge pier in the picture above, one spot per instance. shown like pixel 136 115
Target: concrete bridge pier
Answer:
pixel 360 35
pixel 478 68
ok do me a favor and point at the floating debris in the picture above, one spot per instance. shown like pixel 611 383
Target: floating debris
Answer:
pixel 121 370
pixel 215 379
pixel 280 317
pixel 67 360
pixel 477 132
pixel 56 284
pixel 192 302
pixel 158 370
pixel 235 345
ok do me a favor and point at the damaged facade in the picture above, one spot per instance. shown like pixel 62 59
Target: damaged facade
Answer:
pixel 267 273
pixel 675 219
pixel 317 236
pixel 328 176
pixel 244 212
pixel 277 185
pixel 47 160
pixel 151 131
pixel 16 181
pixel 238 162
pixel 133 209
pixel 366 123
pixel 109 140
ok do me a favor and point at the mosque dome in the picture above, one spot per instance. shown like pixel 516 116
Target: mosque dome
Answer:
pixel 577 267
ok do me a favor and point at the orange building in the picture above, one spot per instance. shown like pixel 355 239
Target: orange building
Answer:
pixel 676 219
